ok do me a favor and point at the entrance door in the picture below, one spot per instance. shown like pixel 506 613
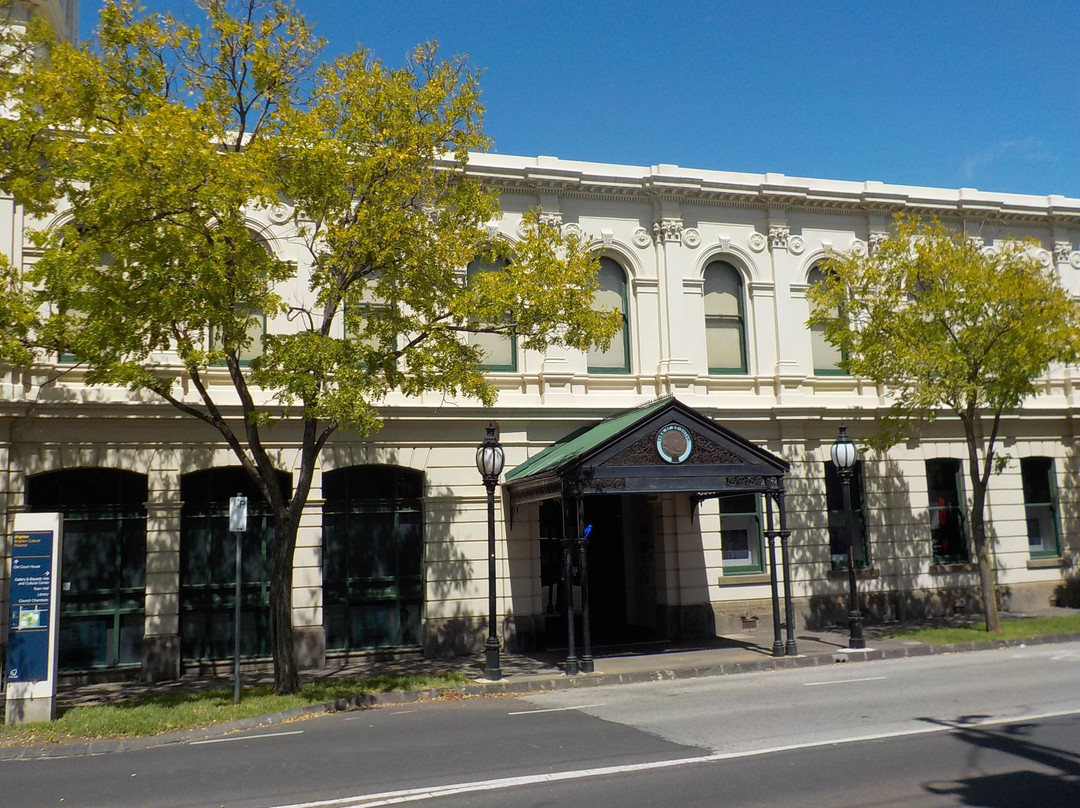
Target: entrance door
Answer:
pixel 621 569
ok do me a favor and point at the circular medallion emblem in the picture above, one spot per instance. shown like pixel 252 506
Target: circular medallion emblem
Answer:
pixel 674 444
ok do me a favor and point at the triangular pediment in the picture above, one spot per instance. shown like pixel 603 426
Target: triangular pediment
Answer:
pixel 662 446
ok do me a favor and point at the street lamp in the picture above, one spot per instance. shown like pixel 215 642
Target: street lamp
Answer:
pixel 844 456
pixel 489 462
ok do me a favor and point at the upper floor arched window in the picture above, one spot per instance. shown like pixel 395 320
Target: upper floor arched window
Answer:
pixel 827 357
pixel 499 349
pixel 725 318
pixel 612 294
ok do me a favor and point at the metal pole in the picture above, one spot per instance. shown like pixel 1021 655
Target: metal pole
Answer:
pixel 236 639
pixel 568 572
pixel 855 620
pixel 492 668
pixel 790 648
pixel 586 665
pixel 774 589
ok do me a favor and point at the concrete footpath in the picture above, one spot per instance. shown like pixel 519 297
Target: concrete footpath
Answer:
pixel 528 673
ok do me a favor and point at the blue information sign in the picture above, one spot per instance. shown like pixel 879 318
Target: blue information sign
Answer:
pixel 31 591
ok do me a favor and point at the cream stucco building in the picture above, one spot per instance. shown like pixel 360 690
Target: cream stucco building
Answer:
pixel 710 270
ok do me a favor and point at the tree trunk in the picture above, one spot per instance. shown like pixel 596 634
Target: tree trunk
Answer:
pixel 286 675
pixel 987 581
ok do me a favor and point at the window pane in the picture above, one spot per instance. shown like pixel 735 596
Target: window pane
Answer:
pixel 740 533
pixel 948 539
pixel 611 295
pixel 1040 505
pixel 499 350
pixel 827 357
pixel 723 290
pixel 723 341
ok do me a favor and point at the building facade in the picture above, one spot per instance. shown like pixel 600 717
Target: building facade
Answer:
pixel 710 270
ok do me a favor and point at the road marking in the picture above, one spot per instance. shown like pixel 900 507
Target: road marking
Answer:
pixel 402 712
pixel 557 709
pixel 433 792
pixel 248 737
pixel 845 681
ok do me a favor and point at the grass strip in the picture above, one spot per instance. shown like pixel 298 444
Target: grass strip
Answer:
pixel 1011 629
pixel 167 712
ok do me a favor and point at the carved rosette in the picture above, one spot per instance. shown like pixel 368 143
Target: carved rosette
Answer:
pixel 641 238
pixel 756 242
pixel 278 214
pixel 796 245
pixel 691 237
pixel 778 236
pixel 1044 257
pixel 858 247
pixel 668 230
pixel 572 230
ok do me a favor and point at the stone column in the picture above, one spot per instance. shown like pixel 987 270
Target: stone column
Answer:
pixel 309 635
pixel 161 628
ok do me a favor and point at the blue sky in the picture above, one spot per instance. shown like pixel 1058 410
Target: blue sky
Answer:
pixel 976 94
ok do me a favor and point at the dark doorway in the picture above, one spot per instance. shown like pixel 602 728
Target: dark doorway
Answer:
pixel 621 576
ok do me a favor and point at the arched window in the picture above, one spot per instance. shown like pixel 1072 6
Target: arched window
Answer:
pixel 500 350
pixel 373 541
pixel 725 319
pixel 251 344
pixel 827 357
pixel 103 570
pixel 208 566
pixel 612 295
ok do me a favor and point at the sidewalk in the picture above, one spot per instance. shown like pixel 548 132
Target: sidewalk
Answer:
pixel 534 672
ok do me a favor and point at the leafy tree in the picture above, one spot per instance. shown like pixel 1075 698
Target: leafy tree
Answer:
pixel 949 327
pixel 159 284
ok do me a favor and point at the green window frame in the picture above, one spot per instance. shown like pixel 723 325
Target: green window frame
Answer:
pixel 256 331
pixel 208 566
pixel 612 294
pixel 826 357
pixel 834 500
pixel 948 529
pixel 373 537
pixel 501 348
pixel 1041 509
pixel 725 319
pixel 103 563
pixel 741 547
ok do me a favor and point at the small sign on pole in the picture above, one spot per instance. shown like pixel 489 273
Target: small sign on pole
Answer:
pixel 237 526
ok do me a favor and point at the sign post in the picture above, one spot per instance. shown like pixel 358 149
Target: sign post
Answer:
pixel 238 526
pixel 33 618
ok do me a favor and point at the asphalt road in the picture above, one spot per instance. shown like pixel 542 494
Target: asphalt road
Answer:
pixel 990 728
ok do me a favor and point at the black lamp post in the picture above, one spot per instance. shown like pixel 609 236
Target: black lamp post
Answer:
pixel 489 462
pixel 844 456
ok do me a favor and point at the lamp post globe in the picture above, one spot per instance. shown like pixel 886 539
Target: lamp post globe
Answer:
pixel 844 455
pixel 489 462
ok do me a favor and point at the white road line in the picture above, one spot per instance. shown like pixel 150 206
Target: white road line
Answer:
pixel 402 712
pixel 557 709
pixel 419 794
pixel 845 681
pixel 248 737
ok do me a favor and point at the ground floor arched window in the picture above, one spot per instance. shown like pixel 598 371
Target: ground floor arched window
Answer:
pixel 103 567
pixel 208 566
pixel 373 587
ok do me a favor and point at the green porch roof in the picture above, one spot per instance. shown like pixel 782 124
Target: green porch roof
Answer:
pixel 583 441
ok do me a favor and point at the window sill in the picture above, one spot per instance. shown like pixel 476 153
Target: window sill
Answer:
pixel 860 572
pixel 742 579
pixel 1047 562
pixel 946 568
